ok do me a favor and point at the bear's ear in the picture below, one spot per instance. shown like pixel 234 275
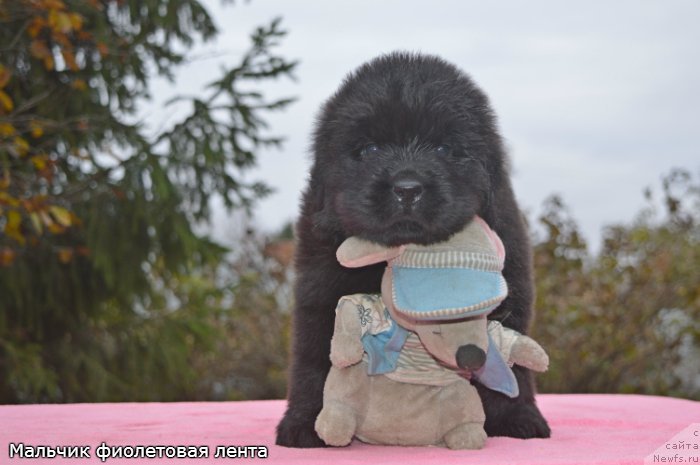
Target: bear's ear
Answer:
pixel 355 253
pixel 493 237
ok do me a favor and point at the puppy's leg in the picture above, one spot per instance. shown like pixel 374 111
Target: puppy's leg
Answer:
pixel 312 330
pixel 321 282
pixel 517 417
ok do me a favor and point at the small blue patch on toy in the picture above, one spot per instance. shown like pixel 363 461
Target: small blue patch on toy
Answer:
pixel 423 290
pixel 383 349
pixel 496 374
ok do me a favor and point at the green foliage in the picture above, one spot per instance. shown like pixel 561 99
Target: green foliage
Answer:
pixel 99 216
pixel 625 320
pixel 220 332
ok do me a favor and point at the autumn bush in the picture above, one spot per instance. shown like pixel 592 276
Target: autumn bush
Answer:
pixel 626 319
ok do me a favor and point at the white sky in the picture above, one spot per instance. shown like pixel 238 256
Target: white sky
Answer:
pixel 595 99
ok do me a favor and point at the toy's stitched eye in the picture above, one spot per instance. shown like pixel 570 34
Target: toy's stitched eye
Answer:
pixel 370 149
pixel 442 149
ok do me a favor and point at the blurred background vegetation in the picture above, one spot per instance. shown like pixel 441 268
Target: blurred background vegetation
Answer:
pixel 626 319
pixel 111 290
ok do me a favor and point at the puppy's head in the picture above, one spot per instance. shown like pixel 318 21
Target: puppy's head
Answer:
pixel 406 151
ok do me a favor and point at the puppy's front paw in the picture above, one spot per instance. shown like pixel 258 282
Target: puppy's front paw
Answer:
pixel 294 433
pixel 521 421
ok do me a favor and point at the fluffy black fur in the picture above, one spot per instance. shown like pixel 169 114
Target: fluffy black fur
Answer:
pixel 402 119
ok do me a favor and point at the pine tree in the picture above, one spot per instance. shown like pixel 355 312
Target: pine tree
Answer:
pixel 98 216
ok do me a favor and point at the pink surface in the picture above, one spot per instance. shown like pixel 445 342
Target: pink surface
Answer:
pixel 600 429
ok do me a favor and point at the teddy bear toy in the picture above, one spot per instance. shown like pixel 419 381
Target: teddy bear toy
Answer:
pixel 402 361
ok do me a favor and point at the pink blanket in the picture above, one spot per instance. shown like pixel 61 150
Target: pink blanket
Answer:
pixel 600 429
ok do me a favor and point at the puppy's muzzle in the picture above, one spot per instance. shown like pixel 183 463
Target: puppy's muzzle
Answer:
pixel 407 190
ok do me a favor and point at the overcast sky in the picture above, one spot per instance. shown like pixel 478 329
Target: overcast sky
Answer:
pixel 595 99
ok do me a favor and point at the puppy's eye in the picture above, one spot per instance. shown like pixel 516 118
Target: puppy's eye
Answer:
pixel 370 149
pixel 442 149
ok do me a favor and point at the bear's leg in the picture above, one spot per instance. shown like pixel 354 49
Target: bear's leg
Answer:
pixel 463 416
pixel 344 404
pixel 466 436
pixel 336 423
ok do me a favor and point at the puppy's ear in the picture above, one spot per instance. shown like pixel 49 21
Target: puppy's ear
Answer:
pixel 317 207
pixel 355 253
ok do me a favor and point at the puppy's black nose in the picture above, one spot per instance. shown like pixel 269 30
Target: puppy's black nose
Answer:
pixel 408 191
pixel 470 357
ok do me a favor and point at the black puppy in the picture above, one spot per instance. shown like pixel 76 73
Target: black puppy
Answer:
pixel 407 151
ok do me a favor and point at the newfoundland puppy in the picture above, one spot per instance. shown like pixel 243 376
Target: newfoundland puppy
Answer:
pixel 406 151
